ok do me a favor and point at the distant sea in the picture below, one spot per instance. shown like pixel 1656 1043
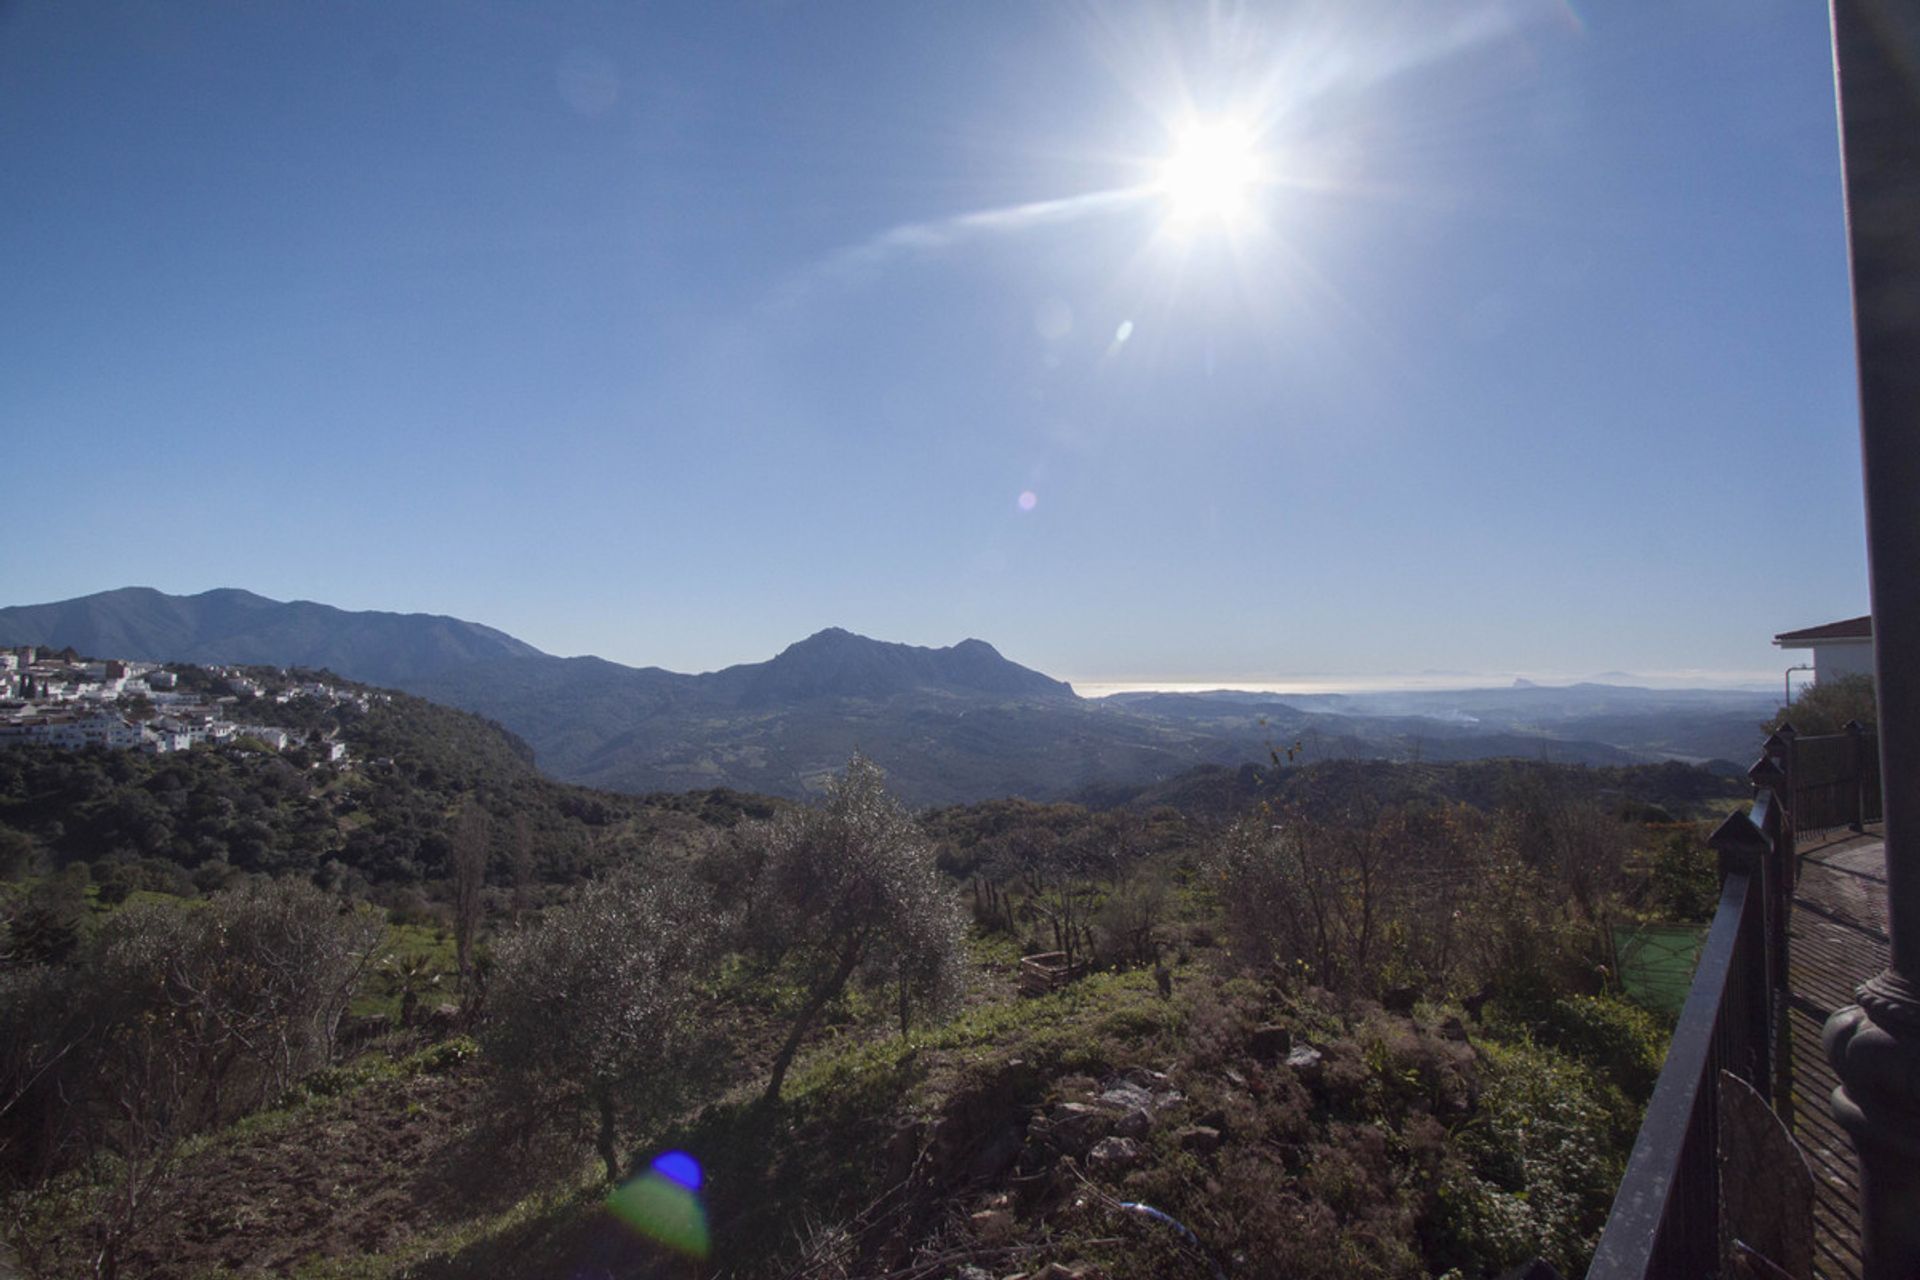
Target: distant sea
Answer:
pixel 1436 682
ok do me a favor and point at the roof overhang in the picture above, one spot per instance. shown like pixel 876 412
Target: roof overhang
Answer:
pixel 1847 631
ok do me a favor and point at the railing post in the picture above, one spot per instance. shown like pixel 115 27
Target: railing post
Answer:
pixel 1875 1045
pixel 1780 749
pixel 1857 741
pixel 1772 820
pixel 1744 850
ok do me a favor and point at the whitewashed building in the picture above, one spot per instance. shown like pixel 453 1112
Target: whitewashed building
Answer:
pixel 1842 648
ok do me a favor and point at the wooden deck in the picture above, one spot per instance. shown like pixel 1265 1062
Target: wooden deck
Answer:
pixel 1837 939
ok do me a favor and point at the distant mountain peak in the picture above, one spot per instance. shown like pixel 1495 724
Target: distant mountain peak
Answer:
pixel 229 595
pixel 835 662
pixel 828 636
pixel 228 624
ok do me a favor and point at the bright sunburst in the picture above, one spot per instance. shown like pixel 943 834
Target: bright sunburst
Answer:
pixel 1213 174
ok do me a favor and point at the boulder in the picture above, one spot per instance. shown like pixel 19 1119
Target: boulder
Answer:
pixel 903 1148
pixel 1271 1042
pixel 997 1154
pixel 1075 1126
pixel 1110 1155
pixel 992 1225
pixel 355 1032
pixel 443 1019
pixel 1135 1123
pixel 1308 1063
pixel 1200 1139
pixel 1126 1097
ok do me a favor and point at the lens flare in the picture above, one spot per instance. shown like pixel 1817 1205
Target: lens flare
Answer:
pixel 663 1204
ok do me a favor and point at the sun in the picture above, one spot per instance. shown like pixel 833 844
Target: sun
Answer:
pixel 1213 174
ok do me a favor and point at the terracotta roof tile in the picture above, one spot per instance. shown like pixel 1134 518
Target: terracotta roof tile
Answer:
pixel 1852 629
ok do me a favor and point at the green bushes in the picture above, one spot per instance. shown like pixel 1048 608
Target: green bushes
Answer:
pixel 1550 1134
pixel 1827 706
pixel 348 1078
pixel 1683 876
pixel 1617 1038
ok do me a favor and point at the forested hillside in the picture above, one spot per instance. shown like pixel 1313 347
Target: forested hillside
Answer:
pixel 268 1015
pixel 379 819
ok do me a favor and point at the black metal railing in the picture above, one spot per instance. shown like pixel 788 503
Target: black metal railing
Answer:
pixel 1665 1219
pixel 1834 778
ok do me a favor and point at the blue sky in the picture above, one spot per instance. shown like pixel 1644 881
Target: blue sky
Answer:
pixel 674 333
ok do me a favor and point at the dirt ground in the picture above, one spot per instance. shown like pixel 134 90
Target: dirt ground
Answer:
pixel 394 1161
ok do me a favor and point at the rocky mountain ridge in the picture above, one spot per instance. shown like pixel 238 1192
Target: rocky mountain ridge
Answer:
pixel 951 725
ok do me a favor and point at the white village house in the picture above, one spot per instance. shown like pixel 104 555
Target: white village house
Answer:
pixel 1839 648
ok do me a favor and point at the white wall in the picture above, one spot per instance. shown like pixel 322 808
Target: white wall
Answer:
pixel 1831 661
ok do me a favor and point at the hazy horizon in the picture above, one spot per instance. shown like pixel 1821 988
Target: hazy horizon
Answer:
pixel 1729 681
pixel 1319 682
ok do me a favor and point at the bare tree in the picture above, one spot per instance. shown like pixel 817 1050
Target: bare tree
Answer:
pixel 42 1026
pixel 849 889
pixel 1572 840
pixel 1129 922
pixel 520 864
pixel 1330 902
pixel 467 851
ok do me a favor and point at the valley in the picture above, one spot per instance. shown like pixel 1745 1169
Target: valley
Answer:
pixel 951 725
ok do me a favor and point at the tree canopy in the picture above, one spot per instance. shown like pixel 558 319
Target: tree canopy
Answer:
pixel 849 890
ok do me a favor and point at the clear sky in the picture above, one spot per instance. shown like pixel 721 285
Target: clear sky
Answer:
pixel 1184 341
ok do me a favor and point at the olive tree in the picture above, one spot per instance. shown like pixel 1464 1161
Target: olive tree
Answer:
pixel 849 889
pixel 592 1007
pixel 469 845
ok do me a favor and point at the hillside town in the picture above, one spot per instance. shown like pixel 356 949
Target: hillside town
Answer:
pixel 67 701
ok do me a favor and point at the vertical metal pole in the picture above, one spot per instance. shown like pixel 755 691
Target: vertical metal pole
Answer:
pixel 1857 763
pixel 1875 1045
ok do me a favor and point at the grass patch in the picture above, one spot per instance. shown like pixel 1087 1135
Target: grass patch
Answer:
pixel 420 956
pixel 541 1225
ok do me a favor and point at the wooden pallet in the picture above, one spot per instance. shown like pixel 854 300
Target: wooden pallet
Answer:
pixel 1048 971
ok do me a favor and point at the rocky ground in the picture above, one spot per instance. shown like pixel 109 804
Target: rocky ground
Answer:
pixel 1102 1133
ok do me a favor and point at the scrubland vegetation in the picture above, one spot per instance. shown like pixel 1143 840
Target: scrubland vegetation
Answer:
pixel 435 1016
pixel 1828 707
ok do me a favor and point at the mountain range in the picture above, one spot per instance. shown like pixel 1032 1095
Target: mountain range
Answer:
pixel 951 725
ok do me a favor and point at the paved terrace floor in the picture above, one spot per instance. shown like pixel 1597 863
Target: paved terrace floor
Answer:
pixel 1837 939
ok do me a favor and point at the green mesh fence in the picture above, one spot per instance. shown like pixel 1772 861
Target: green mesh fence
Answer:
pixel 1656 962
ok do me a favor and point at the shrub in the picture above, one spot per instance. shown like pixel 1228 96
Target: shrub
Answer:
pixel 1685 876
pixel 249 986
pixel 1619 1039
pixel 1827 706
pixel 1552 1133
